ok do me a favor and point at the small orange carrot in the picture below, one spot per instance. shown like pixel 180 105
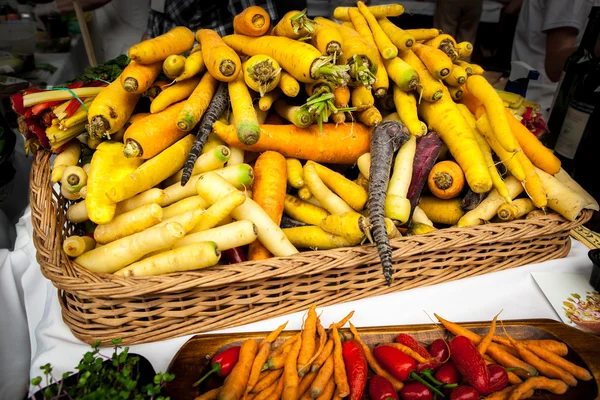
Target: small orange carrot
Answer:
pixel 539 382
pixel 210 395
pixel 328 391
pixel 269 378
pixel 487 339
pixel 276 394
pixel 221 61
pixel 341 96
pixel 548 356
pixel 341 144
pixel 378 369
pixel 290 373
pixel 270 178
pixel 310 328
pixel 261 357
pixel 294 25
pixel 323 376
pixel 305 383
pixel 409 352
pixel 554 346
pixel 325 353
pixel 235 384
pixel 137 78
pixel 253 21
pixel 339 370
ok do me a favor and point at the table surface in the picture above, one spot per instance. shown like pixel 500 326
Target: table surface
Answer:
pixel 30 302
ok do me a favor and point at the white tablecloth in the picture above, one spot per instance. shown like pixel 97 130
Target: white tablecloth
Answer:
pixel 31 323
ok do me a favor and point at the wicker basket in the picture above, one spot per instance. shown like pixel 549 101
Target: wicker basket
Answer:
pixel 145 309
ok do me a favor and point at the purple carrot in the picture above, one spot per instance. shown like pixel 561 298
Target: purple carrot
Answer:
pixel 386 139
pixel 234 256
pixel 217 105
pixel 427 152
pixel 287 222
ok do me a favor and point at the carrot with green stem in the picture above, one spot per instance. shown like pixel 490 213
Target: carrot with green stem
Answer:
pixel 385 141
pixel 301 60
pixel 294 25
pixel 337 145
pixel 244 115
pixel 221 60
pixel 261 73
pixel 401 38
pixel 195 106
pixel 297 115
pixel 380 87
pixel 428 87
pixel 270 175
pixel 176 41
pixel 253 21
pixel 358 54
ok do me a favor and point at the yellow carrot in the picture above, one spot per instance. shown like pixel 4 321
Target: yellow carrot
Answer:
pixel 406 105
pixel 221 61
pixel 387 49
pixel 244 116
pixel 288 84
pixel 195 106
pixel 401 38
pixel 173 94
pixel 436 61
pixel 176 41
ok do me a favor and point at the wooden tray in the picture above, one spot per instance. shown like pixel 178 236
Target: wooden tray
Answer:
pixel 193 359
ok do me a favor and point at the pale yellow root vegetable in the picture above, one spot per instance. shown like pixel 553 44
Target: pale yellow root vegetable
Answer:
pixel 397 206
pixel 561 198
pixel 68 157
pixel 240 176
pixel 351 226
pixel 304 193
pixel 362 181
pixel 237 156
pixel 228 236
pixel 116 255
pixel 330 201
pixel 364 164
pixel 515 209
pixel 313 237
pixel 188 258
pixel 295 176
pixel 420 217
pixel 508 159
pixel 303 211
pixel 497 180
pixel 185 205
pixel 487 209
pixel 447 212
pixel 269 233
pixel 532 183
pixel 219 210
pixel 77 213
pixel 148 197
pixel 188 219
pixel 128 223
pixel 569 182
pixel 353 194
pixel 208 161
pixel 75 245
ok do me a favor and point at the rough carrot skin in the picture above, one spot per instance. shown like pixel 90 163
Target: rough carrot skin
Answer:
pixel 385 141
pixel 270 176
pixel 290 373
pixel 195 106
pixel 221 61
pixel 341 144
pixel 308 333
pixel 235 383
pixel 253 21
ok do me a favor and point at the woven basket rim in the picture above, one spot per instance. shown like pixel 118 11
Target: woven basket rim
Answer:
pixel 66 275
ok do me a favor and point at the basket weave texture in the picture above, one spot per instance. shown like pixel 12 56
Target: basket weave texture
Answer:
pixel 145 309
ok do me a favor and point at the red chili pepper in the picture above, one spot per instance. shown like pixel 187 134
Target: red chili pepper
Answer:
pixel 381 389
pixel 440 350
pixel 470 363
pixel 222 363
pixel 234 256
pixel 395 362
pixel 416 391
pixel 498 378
pixel 464 393
pixel 447 374
pixel 30 127
pixel 356 368
pixel 409 341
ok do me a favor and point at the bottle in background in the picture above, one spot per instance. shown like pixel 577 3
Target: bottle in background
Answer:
pixel 577 65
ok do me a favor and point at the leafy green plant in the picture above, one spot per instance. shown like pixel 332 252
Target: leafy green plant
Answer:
pixel 99 380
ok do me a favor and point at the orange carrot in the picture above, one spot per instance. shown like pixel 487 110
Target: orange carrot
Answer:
pixel 253 21
pixel 550 357
pixel 270 177
pixel 554 346
pixel 328 391
pixel 137 78
pixel 305 383
pixel 485 342
pixel 539 382
pixel 339 371
pixel 152 134
pixel 221 61
pixel 290 373
pixel 327 349
pixel 308 333
pixel 341 96
pixel 269 378
pixel 235 383
pixel 341 144
pixel 323 376
pixel 541 156
pixel 176 41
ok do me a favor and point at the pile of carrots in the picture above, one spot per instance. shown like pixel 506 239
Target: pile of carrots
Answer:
pixel 316 363
pixel 305 134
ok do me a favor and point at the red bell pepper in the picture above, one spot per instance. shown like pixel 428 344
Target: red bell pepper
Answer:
pixel 381 389
pixel 470 363
pixel 356 368
pixel 395 362
pixel 222 363
pixel 498 378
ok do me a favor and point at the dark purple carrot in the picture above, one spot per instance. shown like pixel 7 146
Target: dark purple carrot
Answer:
pixel 287 222
pixel 427 152
pixel 234 256
pixel 386 139
pixel 217 105
pixel 471 200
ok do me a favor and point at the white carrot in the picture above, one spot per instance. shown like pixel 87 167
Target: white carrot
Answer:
pixel 229 236
pixel 128 223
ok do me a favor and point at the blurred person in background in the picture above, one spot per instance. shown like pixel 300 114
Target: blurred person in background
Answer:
pixel 548 32
pixel 459 18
